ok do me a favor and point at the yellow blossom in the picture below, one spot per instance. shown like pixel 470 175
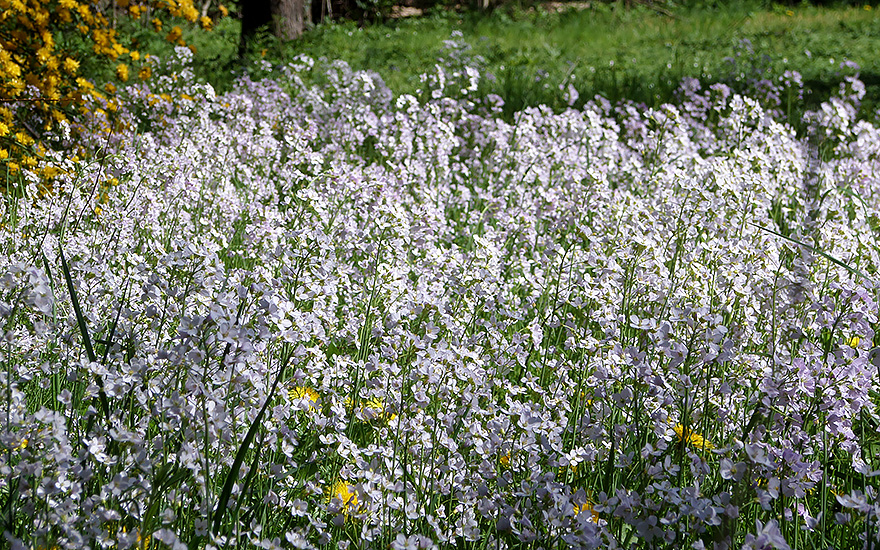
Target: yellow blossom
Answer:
pixel 346 493
pixel 373 408
pixel 692 438
pixel 71 65
pixel 4 129
pixel 223 10
pixel 304 392
pixel 206 22
pixel 122 72
pixel 853 342
pixel 24 139
pixel 587 507
pixel 144 72
pixel 174 35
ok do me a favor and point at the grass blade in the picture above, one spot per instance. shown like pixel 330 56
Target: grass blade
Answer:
pixel 815 250
pixel 84 331
pixel 243 449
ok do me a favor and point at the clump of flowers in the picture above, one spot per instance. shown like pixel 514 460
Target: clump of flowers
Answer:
pixel 41 83
pixel 560 311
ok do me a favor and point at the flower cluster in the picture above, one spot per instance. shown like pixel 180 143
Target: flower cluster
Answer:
pixel 41 84
pixel 314 317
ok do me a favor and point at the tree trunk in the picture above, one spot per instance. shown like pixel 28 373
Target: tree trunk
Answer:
pixel 289 17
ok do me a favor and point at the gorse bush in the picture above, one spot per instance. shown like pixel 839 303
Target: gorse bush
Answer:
pixel 45 50
pixel 314 317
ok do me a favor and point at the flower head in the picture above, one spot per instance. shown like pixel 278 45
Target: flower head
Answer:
pixel 690 437
pixel 304 392
pixel 345 493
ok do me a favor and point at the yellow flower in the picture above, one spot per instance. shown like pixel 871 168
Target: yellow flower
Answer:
pixel 373 408
pixel 206 22
pixel 142 542
pixel 145 72
pixel 4 154
pixel 10 68
pixel 304 392
pixel 122 72
pixel 692 438
pixel 175 34
pixel 346 493
pixel 71 65
pixel 157 24
pixel 4 129
pixel 587 507
pixel 223 10
pixel 853 342
pixel 505 460
pixel 190 13
pixel 24 139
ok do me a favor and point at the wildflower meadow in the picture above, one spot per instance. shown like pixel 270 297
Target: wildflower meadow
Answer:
pixel 300 315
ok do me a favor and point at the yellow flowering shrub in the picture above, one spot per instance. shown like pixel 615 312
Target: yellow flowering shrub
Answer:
pixel 42 88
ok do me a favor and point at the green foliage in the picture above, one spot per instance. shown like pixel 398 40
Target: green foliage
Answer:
pixel 640 52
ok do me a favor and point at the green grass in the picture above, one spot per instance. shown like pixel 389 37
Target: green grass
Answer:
pixel 639 53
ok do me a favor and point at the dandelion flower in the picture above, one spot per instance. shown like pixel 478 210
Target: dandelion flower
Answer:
pixel 346 493
pixel 692 438
pixel 505 460
pixel 587 507
pixel 304 392
pixel 372 408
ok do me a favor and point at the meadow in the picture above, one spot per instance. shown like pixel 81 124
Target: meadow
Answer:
pixel 310 312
